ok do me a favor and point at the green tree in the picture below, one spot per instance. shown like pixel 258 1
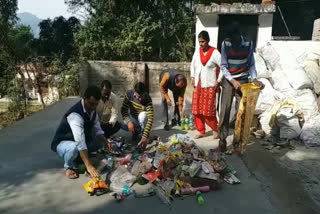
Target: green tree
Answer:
pixel 159 30
pixel 7 66
pixel 56 38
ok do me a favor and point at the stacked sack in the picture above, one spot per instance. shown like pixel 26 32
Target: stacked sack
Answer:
pixel 291 73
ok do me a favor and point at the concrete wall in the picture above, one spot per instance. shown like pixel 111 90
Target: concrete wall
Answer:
pixel 264 30
pixel 124 75
pixel 316 30
pixel 209 22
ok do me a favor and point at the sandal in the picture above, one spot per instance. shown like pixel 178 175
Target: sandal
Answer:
pixel 199 136
pixel 71 174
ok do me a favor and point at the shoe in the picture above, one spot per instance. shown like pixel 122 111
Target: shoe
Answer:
pixel 223 145
pixel 166 127
pixel 173 122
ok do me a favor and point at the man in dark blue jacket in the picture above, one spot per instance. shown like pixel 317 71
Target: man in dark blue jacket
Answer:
pixel 74 135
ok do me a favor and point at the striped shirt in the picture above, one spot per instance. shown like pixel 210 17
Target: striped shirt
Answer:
pixel 133 107
pixel 225 62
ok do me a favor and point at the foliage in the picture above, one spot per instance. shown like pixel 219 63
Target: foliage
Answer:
pixel 68 80
pixel 56 38
pixel 135 30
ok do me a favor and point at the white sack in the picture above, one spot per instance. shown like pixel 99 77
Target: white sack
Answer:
pixel 264 120
pixel 310 134
pixel 297 78
pixel 307 103
pixel 281 83
pixel 270 56
pixel 289 64
pixel 266 98
pixel 288 123
pixel 312 69
pixel 261 67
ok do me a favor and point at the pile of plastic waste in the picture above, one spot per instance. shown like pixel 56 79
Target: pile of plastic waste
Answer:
pixel 177 168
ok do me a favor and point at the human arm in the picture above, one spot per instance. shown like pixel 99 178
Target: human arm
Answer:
pixel 252 68
pixel 163 87
pixel 77 127
pixel 192 69
pixel 181 100
pixel 114 109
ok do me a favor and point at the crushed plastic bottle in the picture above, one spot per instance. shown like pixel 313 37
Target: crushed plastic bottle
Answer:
pixel 162 196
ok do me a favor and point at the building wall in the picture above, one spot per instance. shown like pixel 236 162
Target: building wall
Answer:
pixel 124 75
pixel 208 22
pixel 316 30
pixel 264 30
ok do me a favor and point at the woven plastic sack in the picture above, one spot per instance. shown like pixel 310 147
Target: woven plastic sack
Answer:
pixel 250 94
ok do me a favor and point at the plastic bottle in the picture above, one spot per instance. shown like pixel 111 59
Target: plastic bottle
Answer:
pixel 182 123
pixel 126 190
pixel 162 196
pixel 191 122
pixel 200 199
pixel 186 124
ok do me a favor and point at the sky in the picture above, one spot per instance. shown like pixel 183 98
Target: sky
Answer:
pixel 44 9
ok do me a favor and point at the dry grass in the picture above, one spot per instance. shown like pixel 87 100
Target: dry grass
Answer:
pixel 8 118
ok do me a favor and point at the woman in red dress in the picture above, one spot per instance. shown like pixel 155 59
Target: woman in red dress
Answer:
pixel 205 77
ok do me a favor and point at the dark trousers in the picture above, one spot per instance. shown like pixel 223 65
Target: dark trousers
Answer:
pixel 176 107
pixel 227 94
pixel 109 130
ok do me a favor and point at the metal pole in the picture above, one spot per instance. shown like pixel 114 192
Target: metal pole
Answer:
pixel 285 24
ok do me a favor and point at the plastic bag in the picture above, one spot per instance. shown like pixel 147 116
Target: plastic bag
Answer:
pixel 121 177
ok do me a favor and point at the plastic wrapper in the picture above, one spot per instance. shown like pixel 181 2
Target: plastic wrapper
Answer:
pixel 250 94
pixel 121 177
pixel 145 167
pixel 124 160
pixel 194 168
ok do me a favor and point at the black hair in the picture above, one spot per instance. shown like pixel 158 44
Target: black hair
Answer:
pixel 181 77
pixel 106 83
pixel 204 35
pixel 92 91
pixel 140 88
pixel 234 29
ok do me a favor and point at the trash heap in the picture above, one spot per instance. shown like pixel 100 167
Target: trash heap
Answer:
pixel 177 168
pixel 287 107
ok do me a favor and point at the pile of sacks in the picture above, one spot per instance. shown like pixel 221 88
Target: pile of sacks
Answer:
pixel 287 106
pixel 177 168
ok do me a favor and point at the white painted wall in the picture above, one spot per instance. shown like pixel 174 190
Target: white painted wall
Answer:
pixel 208 22
pixel 264 30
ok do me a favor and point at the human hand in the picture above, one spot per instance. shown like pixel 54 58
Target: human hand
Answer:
pixel 169 102
pixel 236 84
pixel 258 83
pixel 143 143
pixel 92 171
pixel 182 114
pixel 130 126
pixel 192 82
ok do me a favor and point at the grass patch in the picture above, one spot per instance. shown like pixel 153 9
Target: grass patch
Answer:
pixel 8 118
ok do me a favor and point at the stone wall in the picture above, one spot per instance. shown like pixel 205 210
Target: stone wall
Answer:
pixel 123 75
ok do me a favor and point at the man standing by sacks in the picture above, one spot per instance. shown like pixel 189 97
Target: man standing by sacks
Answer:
pixel 172 79
pixel 237 64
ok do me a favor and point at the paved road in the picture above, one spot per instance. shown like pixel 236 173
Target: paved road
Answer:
pixel 32 180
